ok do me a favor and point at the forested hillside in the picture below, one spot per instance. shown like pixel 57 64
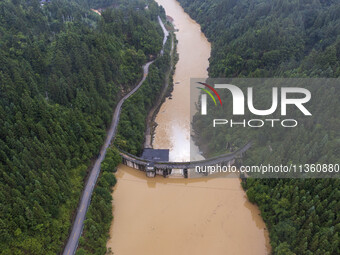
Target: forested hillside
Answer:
pixel 263 38
pixel 121 4
pixel 62 70
pixel 132 125
pixel 281 38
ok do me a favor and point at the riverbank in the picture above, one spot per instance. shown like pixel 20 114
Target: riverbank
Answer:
pixel 166 92
pixel 173 121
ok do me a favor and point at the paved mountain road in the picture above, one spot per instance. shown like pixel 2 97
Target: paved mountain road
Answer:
pixel 78 224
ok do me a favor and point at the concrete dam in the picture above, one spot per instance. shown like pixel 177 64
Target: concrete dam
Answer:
pixel 154 162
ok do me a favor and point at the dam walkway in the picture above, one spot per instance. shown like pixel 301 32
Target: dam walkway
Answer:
pixel 166 168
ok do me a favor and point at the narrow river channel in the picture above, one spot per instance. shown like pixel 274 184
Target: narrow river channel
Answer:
pixel 183 216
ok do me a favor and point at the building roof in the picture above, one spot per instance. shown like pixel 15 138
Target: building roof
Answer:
pixel 156 155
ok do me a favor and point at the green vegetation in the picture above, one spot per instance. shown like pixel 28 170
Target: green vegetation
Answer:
pixel 302 216
pixel 132 122
pixel 126 5
pixel 62 70
pixel 99 216
pixel 278 38
pixel 263 38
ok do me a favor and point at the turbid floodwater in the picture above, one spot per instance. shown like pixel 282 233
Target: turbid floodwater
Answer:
pixel 183 216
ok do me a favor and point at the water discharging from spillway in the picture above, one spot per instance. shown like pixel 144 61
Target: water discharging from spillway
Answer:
pixel 183 216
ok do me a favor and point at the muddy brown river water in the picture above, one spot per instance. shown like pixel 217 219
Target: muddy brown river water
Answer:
pixel 183 216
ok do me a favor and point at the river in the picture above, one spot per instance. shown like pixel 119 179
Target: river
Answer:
pixel 183 216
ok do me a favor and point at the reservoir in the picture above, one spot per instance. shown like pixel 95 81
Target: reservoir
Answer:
pixel 171 216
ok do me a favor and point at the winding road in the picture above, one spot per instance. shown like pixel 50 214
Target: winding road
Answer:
pixel 78 223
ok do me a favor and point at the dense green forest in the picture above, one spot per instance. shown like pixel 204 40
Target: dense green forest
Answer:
pixel 63 69
pixel 121 4
pixel 281 38
pixel 263 38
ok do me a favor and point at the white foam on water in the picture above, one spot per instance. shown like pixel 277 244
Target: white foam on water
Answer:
pixel 182 147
